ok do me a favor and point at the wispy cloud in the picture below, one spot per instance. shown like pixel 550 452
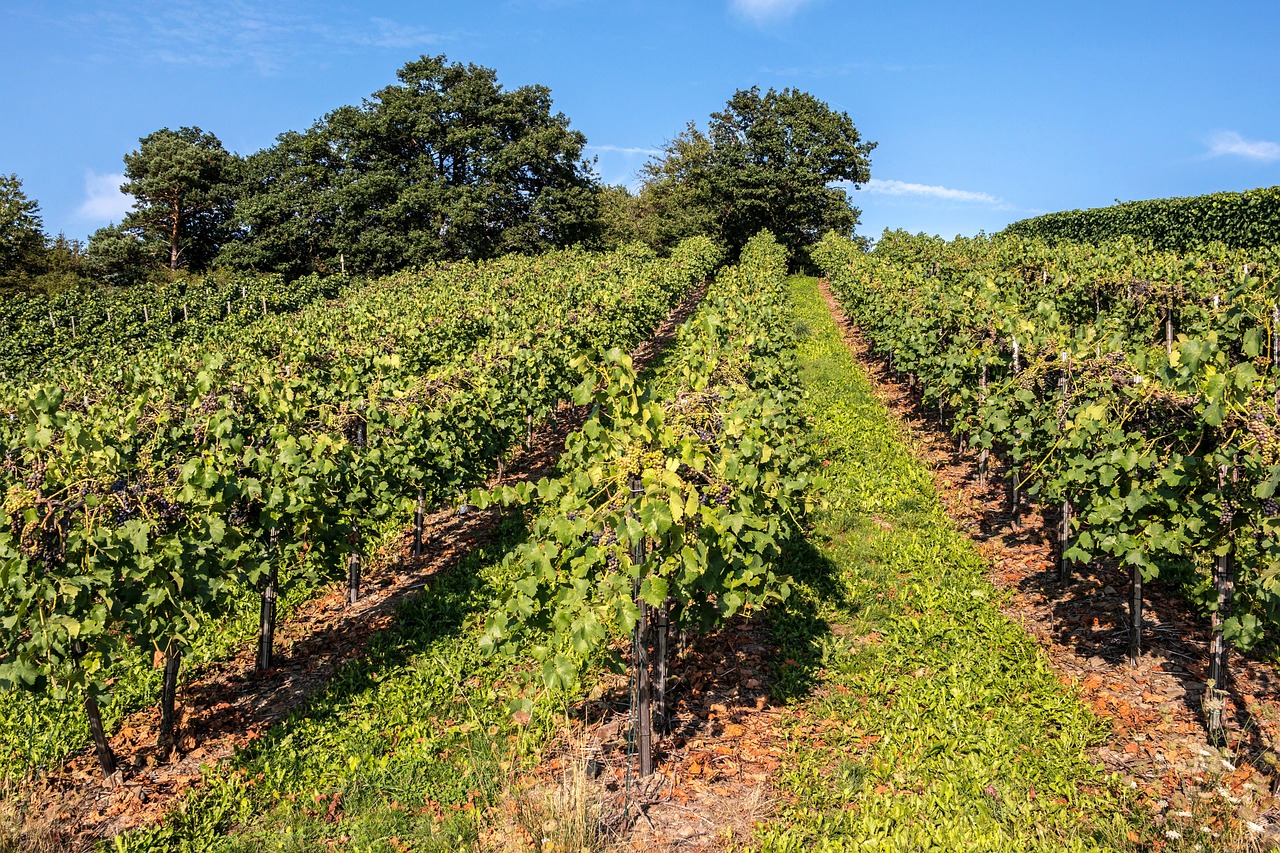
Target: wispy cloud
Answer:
pixel 844 69
pixel 269 38
pixel 1228 143
pixel 766 10
pixel 103 201
pixel 384 32
pixel 878 186
pixel 621 149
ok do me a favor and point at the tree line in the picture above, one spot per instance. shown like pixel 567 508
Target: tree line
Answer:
pixel 446 164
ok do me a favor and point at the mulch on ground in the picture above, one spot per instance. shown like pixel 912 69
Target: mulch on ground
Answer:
pixel 712 769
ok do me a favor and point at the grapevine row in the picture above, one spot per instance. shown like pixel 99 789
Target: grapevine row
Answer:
pixel 142 502
pixel 672 504
pixel 1142 410
pixel 45 336
pixel 1249 218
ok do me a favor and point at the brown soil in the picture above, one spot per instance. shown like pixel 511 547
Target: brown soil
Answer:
pixel 712 772
pixel 1159 740
pixel 231 703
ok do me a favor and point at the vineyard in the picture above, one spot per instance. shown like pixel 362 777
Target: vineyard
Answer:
pixel 736 577
pixel 144 504
pixel 74 331
pixel 1133 393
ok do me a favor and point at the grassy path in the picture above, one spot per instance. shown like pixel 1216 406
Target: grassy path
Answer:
pixel 922 719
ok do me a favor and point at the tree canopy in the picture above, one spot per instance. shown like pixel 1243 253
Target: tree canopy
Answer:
pixel 445 164
pixel 21 234
pixel 766 161
pixel 182 182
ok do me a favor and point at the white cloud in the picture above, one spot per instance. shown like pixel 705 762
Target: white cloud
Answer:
pixel 1228 143
pixel 903 188
pixel 103 201
pixel 620 149
pixel 765 10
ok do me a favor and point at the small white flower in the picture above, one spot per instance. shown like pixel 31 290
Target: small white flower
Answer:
pixel 1172 834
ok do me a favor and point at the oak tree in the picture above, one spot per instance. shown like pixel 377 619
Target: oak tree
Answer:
pixel 776 161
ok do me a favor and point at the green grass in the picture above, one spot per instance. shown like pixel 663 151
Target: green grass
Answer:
pixel 413 742
pixel 921 717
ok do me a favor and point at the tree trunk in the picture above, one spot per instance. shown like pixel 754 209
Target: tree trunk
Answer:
pixel 168 696
pixel 173 237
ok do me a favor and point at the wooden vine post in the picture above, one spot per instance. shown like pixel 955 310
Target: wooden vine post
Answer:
pixel 106 758
pixel 1135 617
pixel 1064 524
pixel 419 521
pixel 168 700
pixel 1275 335
pixel 983 455
pixel 353 570
pixel 1224 583
pixel 662 630
pixel 267 611
pixel 1015 498
pixel 353 560
pixel 644 687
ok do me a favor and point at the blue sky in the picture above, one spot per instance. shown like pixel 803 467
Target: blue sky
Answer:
pixel 984 113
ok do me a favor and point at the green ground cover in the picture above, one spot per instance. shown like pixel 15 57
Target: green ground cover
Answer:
pixel 922 718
